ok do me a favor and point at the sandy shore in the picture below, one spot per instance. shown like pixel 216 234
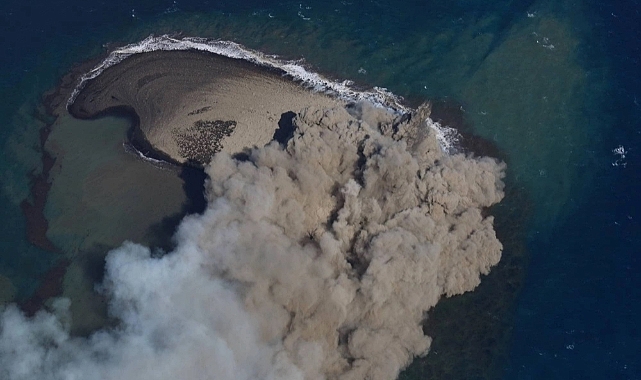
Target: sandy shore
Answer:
pixel 190 104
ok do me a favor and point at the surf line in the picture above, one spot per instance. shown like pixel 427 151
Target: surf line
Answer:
pixel 378 96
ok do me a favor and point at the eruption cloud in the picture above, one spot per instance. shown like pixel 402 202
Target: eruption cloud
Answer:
pixel 315 260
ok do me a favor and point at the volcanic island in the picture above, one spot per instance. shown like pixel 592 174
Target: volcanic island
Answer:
pixel 188 105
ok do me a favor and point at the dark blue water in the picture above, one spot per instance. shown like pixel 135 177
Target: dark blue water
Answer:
pixel 578 314
pixel 555 113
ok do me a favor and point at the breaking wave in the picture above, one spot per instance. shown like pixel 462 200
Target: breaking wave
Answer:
pixel 447 137
pixel 377 95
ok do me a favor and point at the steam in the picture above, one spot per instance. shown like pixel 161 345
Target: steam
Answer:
pixel 317 260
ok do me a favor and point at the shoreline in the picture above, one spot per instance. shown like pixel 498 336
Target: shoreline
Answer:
pixel 448 114
pixel 187 105
pixel 293 70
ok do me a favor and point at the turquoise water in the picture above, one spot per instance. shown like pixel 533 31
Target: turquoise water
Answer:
pixel 553 85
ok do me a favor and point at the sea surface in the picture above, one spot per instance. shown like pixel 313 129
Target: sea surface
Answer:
pixel 551 87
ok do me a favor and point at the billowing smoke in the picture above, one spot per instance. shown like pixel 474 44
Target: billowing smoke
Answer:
pixel 317 260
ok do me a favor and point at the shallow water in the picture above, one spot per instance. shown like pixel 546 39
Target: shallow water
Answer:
pixel 97 195
pixel 101 196
pixel 551 84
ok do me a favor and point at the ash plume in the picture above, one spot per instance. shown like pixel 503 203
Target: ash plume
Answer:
pixel 314 260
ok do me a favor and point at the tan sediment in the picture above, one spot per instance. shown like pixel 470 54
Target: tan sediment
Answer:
pixel 172 91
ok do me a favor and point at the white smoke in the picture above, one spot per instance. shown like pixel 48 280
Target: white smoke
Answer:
pixel 318 260
pixel 178 322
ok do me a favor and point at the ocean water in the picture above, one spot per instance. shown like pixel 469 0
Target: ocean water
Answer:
pixel 553 86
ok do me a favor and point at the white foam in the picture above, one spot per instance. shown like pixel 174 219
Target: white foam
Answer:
pixel 620 152
pixel 155 162
pixel 378 96
pixel 447 137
